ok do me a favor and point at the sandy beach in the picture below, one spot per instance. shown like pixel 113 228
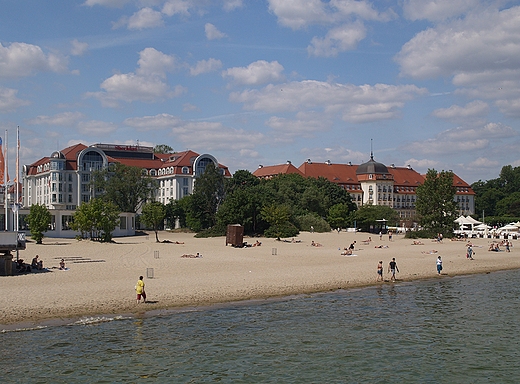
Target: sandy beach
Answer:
pixel 100 278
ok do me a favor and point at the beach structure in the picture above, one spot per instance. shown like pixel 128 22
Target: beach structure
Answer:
pixel 61 181
pixel 374 183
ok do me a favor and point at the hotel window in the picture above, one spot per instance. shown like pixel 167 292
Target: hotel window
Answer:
pixel 60 198
pixel 70 178
pixel 185 191
pixel 70 198
pixel 184 181
pixel 53 187
pixel 185 170
pixel 70 187
pixel 122 222
pixel 53 197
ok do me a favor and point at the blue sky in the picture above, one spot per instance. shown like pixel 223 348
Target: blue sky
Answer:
pixel 434 83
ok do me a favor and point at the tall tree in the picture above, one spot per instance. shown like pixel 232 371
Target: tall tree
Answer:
pixel 162 148
pixel 207 196
pixel 152 216
pixel 435 204
pixel 39 219
pixel 370 217
pixel 126 186
pixel 98 218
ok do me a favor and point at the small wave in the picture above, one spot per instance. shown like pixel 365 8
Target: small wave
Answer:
pixel 99 319
pixel 24 329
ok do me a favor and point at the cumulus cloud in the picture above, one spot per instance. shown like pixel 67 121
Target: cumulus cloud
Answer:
pixel 482 162
pixel 481 42
pixel 78 48
pixel 230 5
pixel 21 60
pixel 421 164
pixel 353 103
pixel 437 10
pixel 145 18
pixel 174 7
pixel 212 33
pixel 340 39
pixel 8 100
pixel 147 84
pixel 304 125
pixel 460 140
pixel 476 108
pixel 298 14
pixel 96 127
pixel 65 119
pixel 155 63
pixel 205 66
pixel 259 72
pixel 338 153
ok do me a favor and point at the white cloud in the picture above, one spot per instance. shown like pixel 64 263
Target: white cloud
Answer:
pixel 297 14
pixel 107 3
pixel 487 41
pixel 354 103
pixel 474 109
pixel 259 72
pixel 8 100
pixel 205 66
pixel 147 84
pixel 148 123
pixel 188 107
pixel 174 7
pixel 230 5
pixel 78 48
pixel 21 60
pixel 96 127
pixel 460 140
pixel 421 164
pixel 482 162
pixel 145 18
pixel 155 63
pixel 437 10
pixel 65 119
pixel 305 125
pixel 340 39
pixel 212 33
pixel 338 154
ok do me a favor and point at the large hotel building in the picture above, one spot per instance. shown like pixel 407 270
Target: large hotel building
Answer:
pixel 374 183
pixel 61 181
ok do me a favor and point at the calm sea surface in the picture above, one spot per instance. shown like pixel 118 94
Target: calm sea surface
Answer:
pixel 450 330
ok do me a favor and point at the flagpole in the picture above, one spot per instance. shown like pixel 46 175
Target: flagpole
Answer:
pixel 17 189
pixel 5 183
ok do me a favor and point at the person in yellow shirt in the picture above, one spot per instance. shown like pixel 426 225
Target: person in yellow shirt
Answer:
pixel 139 289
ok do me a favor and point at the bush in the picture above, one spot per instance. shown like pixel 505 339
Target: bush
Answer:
pixel 215 231
pixel 282 230
pixel 304 223
pixel 425 234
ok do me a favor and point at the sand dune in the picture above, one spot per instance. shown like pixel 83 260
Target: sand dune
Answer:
pixel 101 277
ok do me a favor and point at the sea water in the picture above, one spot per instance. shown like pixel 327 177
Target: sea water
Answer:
pixel 447 330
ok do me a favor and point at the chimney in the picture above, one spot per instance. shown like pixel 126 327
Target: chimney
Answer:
pixel 350 163
pixel 309 161
pixel 260 166
pixel 408 166
pixel 328 162
pixel 288 161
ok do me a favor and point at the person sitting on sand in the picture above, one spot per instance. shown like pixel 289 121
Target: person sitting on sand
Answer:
pixel 315 244
pixel 257 244
pixel 37 264
pixel 62 265
pixel 351 246
pixel 494 247
pixel 346 252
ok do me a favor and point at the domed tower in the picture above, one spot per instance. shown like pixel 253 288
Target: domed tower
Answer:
pixel 376 182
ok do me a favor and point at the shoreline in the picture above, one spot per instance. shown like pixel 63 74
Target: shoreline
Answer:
pixel 224 275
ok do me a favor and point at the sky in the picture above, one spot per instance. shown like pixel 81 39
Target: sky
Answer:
pixel 426 83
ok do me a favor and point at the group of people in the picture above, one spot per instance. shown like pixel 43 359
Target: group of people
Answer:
pixel 392 268
pixel 36 265
pixel 495 247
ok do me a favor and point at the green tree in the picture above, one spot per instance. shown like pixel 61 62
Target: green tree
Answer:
pixel 207 196
pixel 369 217
pixel 176 210
pixel 509 206
pixel 153 214
pixel 162 149
pixel 98 218
pixel 435 204
pixel 39 219
pixel 339 215
pixel 126 186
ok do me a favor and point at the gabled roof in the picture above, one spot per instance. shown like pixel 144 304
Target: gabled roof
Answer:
pixel 406 177
pixel 273 170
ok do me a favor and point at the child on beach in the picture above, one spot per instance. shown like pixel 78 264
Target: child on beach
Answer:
pixel 380 271
pixel 139 289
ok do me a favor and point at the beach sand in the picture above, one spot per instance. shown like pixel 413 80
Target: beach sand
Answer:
pixel 101 277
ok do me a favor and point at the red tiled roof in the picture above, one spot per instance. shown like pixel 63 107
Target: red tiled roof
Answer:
pixel 274 170
pixel 336 173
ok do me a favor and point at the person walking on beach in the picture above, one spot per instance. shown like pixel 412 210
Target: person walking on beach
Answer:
pixel 439 265
pixel 139 289
pixel 380 271
pixel 392 268
pixel 469 253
